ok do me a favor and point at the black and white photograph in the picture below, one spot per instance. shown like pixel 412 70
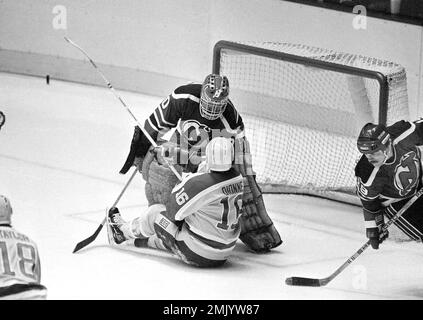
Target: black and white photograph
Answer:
pixel 211 155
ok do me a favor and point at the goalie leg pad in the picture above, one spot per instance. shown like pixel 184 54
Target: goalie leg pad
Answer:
pixel 257 229
pixel 160 181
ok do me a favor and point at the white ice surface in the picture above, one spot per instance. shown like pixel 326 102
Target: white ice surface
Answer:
pixel 60 152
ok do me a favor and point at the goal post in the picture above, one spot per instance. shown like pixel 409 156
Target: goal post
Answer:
pixel 303 108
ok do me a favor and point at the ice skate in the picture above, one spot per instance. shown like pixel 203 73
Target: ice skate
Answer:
pixel 114 222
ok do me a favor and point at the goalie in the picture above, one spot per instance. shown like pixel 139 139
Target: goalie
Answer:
pixel 192 115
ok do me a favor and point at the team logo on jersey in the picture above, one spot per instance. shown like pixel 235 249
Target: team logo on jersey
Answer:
pixel 407 173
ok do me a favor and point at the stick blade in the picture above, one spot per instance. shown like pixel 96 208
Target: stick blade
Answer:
pixel 87 241
pixel 306 282
pixel 83 244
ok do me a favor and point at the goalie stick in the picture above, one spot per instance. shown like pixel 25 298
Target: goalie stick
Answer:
pixel 153 143
pixel 312 282
pixel 91 238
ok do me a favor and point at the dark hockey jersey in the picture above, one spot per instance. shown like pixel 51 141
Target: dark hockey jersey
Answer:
pixel 181 110
pixel 397 179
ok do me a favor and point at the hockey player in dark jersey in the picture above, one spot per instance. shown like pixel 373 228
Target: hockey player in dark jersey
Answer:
pixel 197 113
pixel 201 221
pixel 388 174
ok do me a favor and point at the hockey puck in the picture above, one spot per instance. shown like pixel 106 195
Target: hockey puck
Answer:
pixel 48 79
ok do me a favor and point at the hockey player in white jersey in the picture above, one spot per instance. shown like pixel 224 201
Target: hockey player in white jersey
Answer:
pixel 201 221
pixel 20 269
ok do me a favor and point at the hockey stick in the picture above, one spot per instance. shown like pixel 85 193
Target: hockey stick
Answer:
pixel 91 238
pixel 153 143
pixel 311 282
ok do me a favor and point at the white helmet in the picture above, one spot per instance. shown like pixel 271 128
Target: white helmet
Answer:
pixel 5 210
pixel 219 154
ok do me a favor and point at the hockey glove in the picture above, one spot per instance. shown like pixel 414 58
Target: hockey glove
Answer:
pixel 374 223
pixel 376 236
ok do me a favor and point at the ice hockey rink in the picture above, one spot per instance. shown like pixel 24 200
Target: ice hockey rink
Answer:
pixel 60 152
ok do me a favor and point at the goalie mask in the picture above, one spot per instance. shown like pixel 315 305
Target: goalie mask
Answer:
pixel 5 210
pixel 214 96
pixel 219 154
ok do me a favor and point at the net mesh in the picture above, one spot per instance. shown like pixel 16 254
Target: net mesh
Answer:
pixel 302 121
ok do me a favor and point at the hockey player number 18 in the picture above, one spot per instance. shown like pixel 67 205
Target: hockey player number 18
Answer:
pixel 4 257
pixel 231 212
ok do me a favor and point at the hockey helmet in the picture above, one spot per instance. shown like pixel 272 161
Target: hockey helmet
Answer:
pixel 214 96
pixel 372 138
pixel 219 154
pixel 5 210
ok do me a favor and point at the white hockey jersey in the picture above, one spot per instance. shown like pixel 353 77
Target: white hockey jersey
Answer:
pixel 210 205
pixel 19 259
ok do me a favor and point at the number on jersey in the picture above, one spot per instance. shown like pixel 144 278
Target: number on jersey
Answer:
pixel 23 261
pixel 231 212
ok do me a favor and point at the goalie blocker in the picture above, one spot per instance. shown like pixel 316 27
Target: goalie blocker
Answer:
pixel 257 229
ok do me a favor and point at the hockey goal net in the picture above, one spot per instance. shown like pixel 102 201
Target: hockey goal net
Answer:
pixel 303 108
